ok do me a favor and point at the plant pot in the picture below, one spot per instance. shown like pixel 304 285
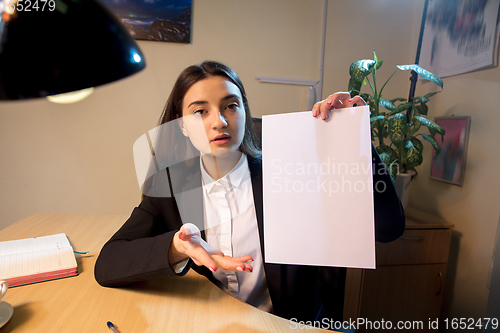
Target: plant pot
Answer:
pixel 403 186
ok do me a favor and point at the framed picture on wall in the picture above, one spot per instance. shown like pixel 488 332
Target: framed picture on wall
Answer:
pixel 460 36
pixel 163 21
pixel 449 165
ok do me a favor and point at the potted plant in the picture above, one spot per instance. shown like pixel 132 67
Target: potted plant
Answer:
pixel 396 123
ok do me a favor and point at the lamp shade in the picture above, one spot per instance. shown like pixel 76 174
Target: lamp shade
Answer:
pixel 77 45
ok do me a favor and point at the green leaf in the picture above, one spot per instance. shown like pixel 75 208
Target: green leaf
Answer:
pixel 417 143
pixel 385 103
pixel 416 126
pixel 432 126
pixel 361 68
pixel 358 71
pixel 378 63
pixel 354 87
pixel 429 95
pixel 433 134
pixel 404 106
pixel 394 170
pixel 393 152
pixel 369 100
pixel 421 99
pixel 392 113
pixel 433 141
pixel 423 73
pixel 398 99
pixel 415 112
pixel 373 119
pixel 422 109
pixel 413 156
pixel 386 158
pixel 397 128
pixel 385 132
pixel 400 108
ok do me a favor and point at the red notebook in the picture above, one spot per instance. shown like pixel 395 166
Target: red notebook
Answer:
pixel 36 259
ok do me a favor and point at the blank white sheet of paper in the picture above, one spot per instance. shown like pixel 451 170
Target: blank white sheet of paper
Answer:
pixel 318 189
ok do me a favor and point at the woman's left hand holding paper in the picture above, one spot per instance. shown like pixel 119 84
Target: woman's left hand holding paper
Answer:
pixel 338 100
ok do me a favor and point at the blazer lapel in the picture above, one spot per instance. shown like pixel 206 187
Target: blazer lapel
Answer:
pixel 187 188
pixel 272 271
pixel 255 167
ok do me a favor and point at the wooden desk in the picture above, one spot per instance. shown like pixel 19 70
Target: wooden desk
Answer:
pixel 79 304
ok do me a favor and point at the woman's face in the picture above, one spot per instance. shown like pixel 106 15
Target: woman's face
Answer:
pixel 214 116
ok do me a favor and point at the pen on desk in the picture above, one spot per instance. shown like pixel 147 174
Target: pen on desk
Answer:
pixel 112 327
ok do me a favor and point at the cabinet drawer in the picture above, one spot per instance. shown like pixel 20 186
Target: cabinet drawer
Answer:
pixel 411 293
pixel 416 246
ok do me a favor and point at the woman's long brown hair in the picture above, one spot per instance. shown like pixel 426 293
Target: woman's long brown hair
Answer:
pixel 193 74
pixel 172 144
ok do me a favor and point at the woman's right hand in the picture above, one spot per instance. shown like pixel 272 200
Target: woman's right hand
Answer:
pixel 187 242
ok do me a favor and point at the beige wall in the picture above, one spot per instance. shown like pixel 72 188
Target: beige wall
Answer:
pixel 355 28
pixel 78 158
pixel 473 208
pixel 392 29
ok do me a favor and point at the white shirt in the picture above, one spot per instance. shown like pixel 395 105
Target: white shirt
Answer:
pixel 231 227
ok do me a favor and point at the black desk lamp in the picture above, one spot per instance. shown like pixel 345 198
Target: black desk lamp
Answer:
pixel 65 46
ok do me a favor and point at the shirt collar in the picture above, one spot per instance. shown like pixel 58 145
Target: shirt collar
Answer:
pixel 235 176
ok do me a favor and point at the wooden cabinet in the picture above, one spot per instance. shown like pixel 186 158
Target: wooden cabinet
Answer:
pixel 408 283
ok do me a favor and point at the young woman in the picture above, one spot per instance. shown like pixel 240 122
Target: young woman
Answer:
pixel 219 191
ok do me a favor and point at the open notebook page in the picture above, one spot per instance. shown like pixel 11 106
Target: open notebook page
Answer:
pixel 36 259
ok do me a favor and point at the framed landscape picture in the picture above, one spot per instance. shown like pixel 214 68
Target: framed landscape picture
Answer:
pixel 449 165
pixel 155 20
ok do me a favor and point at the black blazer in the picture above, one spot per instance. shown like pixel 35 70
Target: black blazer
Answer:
pixel 139 249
